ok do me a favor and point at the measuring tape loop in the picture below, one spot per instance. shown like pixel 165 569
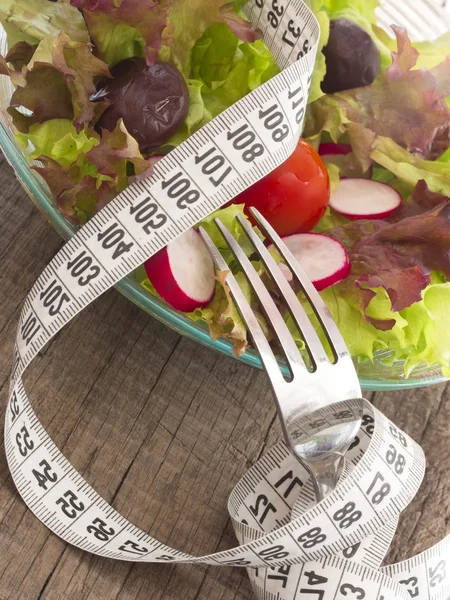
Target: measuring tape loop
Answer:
pixel 292 547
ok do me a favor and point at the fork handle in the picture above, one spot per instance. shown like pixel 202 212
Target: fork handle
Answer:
pixel 324 477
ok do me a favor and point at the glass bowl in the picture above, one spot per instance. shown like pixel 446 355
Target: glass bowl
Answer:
pixel 373 376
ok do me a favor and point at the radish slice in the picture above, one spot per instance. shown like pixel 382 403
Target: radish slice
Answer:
pixel 330 149
pixel 335 154
pixel 323 259
pixel 183 272
pixel 364 199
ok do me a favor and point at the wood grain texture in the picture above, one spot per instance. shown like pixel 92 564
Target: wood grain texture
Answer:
pixel 163 429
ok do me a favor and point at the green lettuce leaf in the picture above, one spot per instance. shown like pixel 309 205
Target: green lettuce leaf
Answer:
pixel 14 35
pixel 224 69
pixel 419 333
pixel 124 29
pixel 228 217
pixel 410 168
pixel 320 67
pixel 431 54
pixel 364 8
pixel 59 140
pixel 187 22
pixel 83 170
pixel 429 328
pixel 34 20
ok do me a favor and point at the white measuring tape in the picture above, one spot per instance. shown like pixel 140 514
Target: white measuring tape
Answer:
pixel 291 547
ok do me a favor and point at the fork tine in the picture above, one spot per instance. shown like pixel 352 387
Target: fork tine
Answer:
pixel 314 345
pixel 268 305
pixel 259 339
pixel 321 311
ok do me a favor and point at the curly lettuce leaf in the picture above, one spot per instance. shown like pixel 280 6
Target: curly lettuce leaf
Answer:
pixel 34 20
pixel 59 81
pixel 59 140
pixel 320 68
pixel 223 70
pixel 83 170
pixel 432 53
pixel 418 334
pixel 365 8
pixel 189 19
pixel 124 29
pixel 361 337
pixel 222 316
pixel 397 256
pixel 429 328
pixel 410 168
pixel 18 57
pixel 114 154
pixel 82 201
pixel 79 193
pixel 405 104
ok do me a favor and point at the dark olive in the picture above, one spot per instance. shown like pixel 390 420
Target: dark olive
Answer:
pixel 352 57
pixel 152 101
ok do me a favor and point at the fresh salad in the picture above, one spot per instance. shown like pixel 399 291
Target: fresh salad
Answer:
pixel 104 88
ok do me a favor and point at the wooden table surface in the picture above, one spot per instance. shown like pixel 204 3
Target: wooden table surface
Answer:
pixel 163 429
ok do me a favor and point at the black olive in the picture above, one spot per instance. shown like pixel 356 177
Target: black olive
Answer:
pixel 352 57
pixel 152 101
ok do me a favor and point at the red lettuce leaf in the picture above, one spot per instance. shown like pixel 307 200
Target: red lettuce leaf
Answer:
pixel 79 67
pixel 404 104
pixel 18 56
pixel 57 178
pixel 77 198
pixel 239 26
pixel 57 82
pixel 397 256
pixel 82 201
pixel 85 186
pixel 117 148
pixel 45 94
pixel 424 198
pixel 146 17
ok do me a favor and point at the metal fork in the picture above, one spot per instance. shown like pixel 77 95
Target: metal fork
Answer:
pixel 310 389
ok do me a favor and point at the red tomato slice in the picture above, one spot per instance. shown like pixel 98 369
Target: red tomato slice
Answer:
pixel 293 197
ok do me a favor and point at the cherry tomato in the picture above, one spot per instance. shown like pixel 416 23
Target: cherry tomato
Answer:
pixel 293 197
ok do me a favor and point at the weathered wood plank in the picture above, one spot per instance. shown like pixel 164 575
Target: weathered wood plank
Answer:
pixel 161 427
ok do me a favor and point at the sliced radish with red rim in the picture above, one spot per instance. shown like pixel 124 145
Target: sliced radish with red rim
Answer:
pixel 331 149
pixel 336 154
pixel 364 199
pixel 323 259
pixel 183 272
